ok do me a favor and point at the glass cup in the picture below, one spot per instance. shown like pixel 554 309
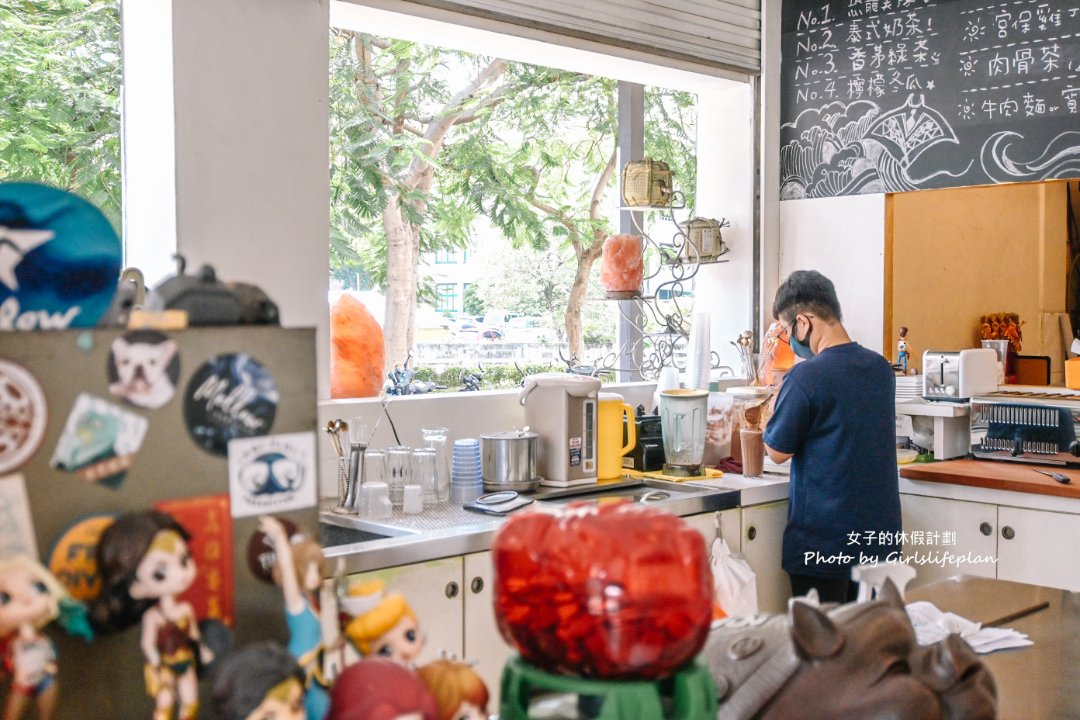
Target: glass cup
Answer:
pixel 753 452
pixel 374 467
pixel 436 439
pixel 398 472
pixel 425 474
pixel 375 500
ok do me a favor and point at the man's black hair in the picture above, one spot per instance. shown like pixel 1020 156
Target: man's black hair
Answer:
pixel 807 292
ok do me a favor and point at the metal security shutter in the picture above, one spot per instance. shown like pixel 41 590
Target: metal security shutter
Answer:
pixel 721 33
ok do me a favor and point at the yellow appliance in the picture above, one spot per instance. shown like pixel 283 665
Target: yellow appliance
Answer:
pixel 614 414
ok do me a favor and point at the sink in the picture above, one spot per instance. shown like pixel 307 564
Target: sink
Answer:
pixel 339 529
pixel 678 497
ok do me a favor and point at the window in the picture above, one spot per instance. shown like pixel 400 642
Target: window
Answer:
pixel 513 175
pixel 446 297
pixel 60 98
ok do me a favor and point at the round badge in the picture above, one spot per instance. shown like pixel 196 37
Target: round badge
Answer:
pixel 143 368
pixel 261 557
pixel 73 559
pixel 59 259
pixel 23 415
pixel 229 396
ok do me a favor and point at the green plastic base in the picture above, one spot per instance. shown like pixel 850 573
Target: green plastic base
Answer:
pixel 692 693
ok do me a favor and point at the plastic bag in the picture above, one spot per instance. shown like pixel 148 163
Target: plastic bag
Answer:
pixel 734 583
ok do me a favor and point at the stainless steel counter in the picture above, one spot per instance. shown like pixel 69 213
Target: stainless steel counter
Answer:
pixel 1033 683
pixel 449 530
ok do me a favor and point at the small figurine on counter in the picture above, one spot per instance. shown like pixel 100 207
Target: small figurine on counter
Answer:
pixel 381 625
pixel 145 565
pixel 903 350
pixel 260 682
pixel 299 570
pixel 458 690
pixel 31 598
pixel 380 689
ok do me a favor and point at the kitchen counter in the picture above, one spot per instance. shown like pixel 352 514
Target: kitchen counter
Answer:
pixel 995 475
pixel 1033 682
pixel 447 531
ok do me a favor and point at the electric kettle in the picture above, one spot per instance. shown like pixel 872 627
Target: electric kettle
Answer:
pixel 561 409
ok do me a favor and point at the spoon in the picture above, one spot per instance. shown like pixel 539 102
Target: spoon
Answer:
pixel 1063 479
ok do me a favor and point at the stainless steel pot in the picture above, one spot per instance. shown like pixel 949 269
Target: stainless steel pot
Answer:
pixel 508 460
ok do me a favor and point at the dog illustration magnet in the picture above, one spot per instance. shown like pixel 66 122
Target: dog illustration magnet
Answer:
pixel 143 368
pixel 24 415
pixel 228 397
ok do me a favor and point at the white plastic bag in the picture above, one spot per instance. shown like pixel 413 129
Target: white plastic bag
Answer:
pixel 734 583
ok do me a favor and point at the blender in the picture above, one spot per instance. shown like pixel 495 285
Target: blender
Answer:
pixel 682 423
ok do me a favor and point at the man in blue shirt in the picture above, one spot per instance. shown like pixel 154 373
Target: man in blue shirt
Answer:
pixel 835 419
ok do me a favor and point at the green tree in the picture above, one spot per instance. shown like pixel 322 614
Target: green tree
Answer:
pixel 425 140
pixel 60 97
pixel 471 302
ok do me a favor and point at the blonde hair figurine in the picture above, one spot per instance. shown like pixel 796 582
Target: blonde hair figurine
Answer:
pixel 31 598
pixel 458 690
pixel 382 625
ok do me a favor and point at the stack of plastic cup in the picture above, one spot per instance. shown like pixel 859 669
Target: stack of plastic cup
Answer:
pixel 466 477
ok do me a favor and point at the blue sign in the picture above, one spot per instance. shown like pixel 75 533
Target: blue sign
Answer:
pixel 59 259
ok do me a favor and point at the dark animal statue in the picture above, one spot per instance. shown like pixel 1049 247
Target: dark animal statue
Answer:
pixel 848 662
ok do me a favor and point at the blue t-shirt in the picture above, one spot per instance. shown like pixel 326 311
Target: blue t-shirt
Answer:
pixel 835 414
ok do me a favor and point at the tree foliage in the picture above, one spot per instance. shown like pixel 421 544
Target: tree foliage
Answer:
pixel 60 96
pixel 426 140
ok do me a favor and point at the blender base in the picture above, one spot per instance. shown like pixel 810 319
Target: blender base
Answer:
pixel 684 470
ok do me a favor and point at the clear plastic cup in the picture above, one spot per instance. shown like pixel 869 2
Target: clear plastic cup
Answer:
pixel 425 474
pixel 398 472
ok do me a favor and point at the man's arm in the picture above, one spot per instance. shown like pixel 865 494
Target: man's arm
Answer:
pixel 776 456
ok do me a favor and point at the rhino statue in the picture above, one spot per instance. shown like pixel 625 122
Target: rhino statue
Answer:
pixel 858 661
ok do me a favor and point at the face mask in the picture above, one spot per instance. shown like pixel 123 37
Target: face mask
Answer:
pixel 801 347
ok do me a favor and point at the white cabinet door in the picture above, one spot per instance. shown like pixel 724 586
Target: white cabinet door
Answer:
pixel 762 544
pixel 433 590
pixel 483 643
pixel 1034 546
pixel 730 524
pixel 939 532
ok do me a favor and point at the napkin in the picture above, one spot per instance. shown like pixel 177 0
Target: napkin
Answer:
pixel 932 625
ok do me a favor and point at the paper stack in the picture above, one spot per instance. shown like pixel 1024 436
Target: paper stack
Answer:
pixel 932 625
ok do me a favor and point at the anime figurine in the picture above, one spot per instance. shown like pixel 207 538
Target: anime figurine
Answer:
pixel 380 689
pixel 903 350
pixel 31 598
pixel 261 682
pixel 458 691
pixel 299 570
pixel 381 625
pixel 145 566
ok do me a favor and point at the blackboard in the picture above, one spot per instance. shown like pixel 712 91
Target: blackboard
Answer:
pixel 896 95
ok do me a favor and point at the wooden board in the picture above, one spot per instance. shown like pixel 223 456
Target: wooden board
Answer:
pixel 996 475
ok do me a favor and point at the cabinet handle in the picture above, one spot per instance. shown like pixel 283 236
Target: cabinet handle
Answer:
pixel 452 590
pixel 751 533
pixel 986 529
pixel 477 585
pixel 1008 533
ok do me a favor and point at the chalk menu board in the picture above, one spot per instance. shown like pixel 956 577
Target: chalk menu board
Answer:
pixel 895 95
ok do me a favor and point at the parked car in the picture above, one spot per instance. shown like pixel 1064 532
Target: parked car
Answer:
pixel 491 334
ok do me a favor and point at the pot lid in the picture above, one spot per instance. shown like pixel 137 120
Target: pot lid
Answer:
pixel 754 390
pixel 510 435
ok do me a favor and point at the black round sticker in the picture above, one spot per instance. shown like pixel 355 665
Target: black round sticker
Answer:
pixel 229 396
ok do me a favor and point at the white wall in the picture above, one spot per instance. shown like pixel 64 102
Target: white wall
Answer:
pixel 726 190
pixel 844 239
pixel 251 186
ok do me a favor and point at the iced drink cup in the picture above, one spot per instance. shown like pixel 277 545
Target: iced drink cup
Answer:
pixel 753 452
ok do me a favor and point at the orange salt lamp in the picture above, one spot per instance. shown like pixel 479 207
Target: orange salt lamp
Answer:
pixel 621 266
pixel 357 353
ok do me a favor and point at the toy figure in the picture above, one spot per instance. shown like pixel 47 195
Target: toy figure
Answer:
pixel 458 690
pixel 903 350
pixel 145 566
pixel 382 625
pixel 261 682
pixel 380 689
pixel 31 598
pixel 299 570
